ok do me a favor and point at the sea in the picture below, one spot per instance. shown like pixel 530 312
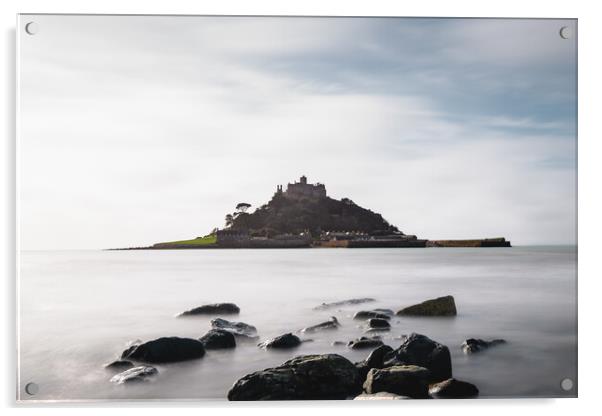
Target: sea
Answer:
pixel 78 310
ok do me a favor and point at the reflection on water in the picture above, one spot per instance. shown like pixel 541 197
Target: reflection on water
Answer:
pixel 79 309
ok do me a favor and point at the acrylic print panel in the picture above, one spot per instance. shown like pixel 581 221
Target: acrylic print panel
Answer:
pixel 288 208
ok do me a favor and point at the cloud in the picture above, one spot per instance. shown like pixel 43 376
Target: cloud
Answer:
pixel 149 129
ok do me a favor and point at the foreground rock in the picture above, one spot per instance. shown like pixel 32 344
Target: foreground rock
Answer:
pixel 420 350
pixel 357 301
pixel 119 365
pixel 213 309
pixel 404 380
pixel 333 323
pixel 282 342
pixel 453 389
pixel 307 377
pixel 165 350
pixel 370 314
pixel 218 339
pixel 472 345
pixel 376 359
pixel 135 374
pixel 383 395
pixel 444 306
pixel 365 342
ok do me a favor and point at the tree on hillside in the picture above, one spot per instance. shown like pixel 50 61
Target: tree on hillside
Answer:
pixel 242 207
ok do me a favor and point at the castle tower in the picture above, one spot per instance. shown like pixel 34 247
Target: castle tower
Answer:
pixel 303 180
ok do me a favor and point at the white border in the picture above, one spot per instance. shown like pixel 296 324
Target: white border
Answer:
pixel 590 207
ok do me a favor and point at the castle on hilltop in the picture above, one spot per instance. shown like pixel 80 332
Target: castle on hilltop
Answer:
pixel 302 189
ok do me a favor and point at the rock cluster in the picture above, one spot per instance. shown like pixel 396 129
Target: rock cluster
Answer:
pixel 419 368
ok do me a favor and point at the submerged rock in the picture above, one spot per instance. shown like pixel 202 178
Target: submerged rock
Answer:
pixel 383 395
pixel 422 351
pixel 343 303
pixel 453 389
pixel 404 380
pixel 237 328
pixel 370 314
pixel 365 342
pixel 472 345
pixel 119 365
pixel 141 373
pixel 333 323
pixel 282 342
pixel 218 339
pixel 443 306
pixel 213 309
pixel 307 377
pixel 165 350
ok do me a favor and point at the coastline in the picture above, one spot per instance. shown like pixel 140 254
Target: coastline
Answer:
pixel 353 244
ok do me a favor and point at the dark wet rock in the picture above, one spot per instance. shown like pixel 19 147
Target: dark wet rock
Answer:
pixel 370 314
pixel 453 389
pixel 141 373
pixel 443 306
pixel 282 342
pixel 422 351
pixel 404 380
pixel 333 323
pixel 365 342
pixel 165 350
pixel 213 309
pixel 374 360
pixel 383 395
pixel 472 345
pixel 376 323
pixel 240 329
pixel 307 377
pixel 344 303
pixel 119 365
pixel 218 339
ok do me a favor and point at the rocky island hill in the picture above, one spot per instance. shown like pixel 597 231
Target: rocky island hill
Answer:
pixel 303 215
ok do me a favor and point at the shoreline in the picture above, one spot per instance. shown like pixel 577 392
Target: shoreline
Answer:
pixel 349 244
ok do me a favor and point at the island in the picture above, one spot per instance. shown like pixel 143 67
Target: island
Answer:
pixel 304 216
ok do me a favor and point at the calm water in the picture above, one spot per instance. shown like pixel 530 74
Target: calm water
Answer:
pixel 79 309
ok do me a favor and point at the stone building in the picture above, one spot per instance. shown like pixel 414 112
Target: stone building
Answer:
pixel 302 189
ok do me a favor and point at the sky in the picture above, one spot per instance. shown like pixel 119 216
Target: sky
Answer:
pixel 138 129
